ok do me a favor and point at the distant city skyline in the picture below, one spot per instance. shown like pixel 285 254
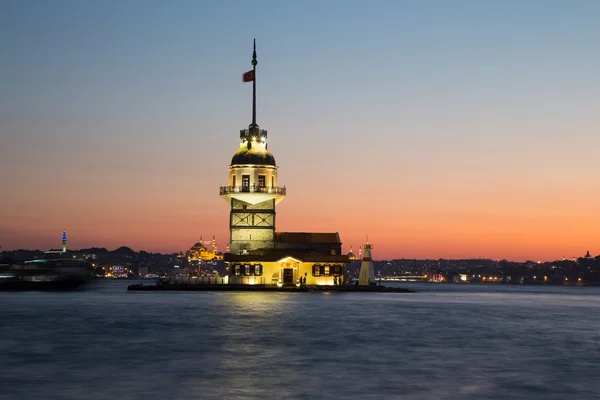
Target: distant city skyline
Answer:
pixel 458 129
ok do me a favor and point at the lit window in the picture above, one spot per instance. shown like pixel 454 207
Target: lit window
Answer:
pixel 258 270
pixel 237 269
pixel 247 269
pixel 326 270
pixel 337 270
pixel 316 270
pixel 245 182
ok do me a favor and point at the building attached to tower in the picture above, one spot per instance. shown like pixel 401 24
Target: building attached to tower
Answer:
pixel 258 253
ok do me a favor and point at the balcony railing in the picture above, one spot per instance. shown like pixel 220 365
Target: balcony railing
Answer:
pixel 252 189
pixel 247 133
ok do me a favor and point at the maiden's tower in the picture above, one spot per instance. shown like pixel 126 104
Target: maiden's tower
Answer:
pixel 258 253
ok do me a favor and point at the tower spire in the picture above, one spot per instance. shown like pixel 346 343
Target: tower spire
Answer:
pixel 254 62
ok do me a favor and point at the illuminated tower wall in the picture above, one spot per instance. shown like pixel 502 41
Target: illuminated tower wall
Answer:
pixel 252 190
pixel 64 241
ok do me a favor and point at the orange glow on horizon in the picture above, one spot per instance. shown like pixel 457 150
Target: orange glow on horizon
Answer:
pixel 405 229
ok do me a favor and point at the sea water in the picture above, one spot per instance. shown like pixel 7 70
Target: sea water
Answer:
pixel 443 342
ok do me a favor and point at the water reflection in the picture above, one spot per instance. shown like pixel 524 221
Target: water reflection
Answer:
pixel 444 342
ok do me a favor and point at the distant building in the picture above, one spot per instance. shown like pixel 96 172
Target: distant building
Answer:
pixel 64 246
pixel 118 271
pixel 351 255
pixel 199 252
pixel 143 271
pixel 64 241
pixel 588 263
pixel 259 254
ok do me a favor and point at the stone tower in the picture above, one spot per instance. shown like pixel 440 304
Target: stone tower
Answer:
pixel 64 241
pixel 252 189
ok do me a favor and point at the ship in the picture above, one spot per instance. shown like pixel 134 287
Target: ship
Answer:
pixel 45 274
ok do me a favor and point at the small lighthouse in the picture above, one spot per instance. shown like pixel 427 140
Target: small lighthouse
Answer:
pixel 367 275
pixel 64 242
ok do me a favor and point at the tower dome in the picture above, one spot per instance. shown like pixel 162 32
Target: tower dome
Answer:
pixel 253 153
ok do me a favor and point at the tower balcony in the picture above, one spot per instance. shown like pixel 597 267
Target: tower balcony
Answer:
pixel 253 194
pixel 279 190
pixel 253 132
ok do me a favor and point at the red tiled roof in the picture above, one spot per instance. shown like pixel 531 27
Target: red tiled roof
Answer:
pixel 307 237
pixel 278 254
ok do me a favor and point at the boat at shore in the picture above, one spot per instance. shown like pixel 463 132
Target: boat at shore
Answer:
pixel 45 274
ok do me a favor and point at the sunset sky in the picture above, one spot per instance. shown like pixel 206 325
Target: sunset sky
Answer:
pixel 451 129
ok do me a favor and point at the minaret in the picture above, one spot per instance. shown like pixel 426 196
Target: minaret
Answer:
pixel 367 275
pixel 351 254
pixel 252 190
pixel 64 241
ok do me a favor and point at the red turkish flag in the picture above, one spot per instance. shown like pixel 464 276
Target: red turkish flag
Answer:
pixel 248 76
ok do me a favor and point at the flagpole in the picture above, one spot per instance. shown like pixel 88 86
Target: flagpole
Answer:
pixel 254 62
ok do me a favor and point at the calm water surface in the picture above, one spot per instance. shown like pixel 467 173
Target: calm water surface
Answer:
pixel 444 342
